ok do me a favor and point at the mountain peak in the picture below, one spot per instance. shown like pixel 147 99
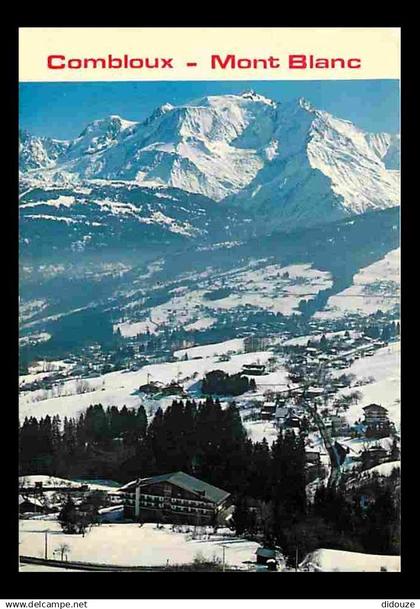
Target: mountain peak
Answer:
pixel 305 104
pixel 158 112
pixel 166 107
pixel 123 122
pixel 111 121
pixel 254 96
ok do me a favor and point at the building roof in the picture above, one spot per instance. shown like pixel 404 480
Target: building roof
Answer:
pixel 112 508
pixel 186 482
pixel 374 449
pixel 315 390
pixel 375 407
pixel 32 501
pixel 267 552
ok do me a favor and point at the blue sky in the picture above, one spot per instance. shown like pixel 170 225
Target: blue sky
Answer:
pixel 62 110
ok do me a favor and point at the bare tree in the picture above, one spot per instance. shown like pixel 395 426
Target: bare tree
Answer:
pixel 82 386
pixel 63 549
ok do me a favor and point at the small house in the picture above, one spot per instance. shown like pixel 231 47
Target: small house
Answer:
pixel 374 414
pixel 281 413
pixel 296 378
pixel 173 389
pixel 314 392
pixel 253 369
pixel 149 388
pixel 372 456
pixel 268 411
pixel 313 465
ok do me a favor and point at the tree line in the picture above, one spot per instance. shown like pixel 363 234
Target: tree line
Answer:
pixel 384 332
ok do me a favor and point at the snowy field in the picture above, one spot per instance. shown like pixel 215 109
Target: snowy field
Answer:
pixel 121 388
pixel 302 341
pixel 383 377
pixel 375 287
pixel 258 430
pixel 130 544
pixel 258 285
pixel 201 324
pixel 27 568
pixel 339 560
pixel 28 309
pixel 48 481
pixel 129 329
pixel 43 369
pixel 229 346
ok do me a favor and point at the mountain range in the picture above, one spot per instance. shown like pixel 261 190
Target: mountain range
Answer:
pixel 250 164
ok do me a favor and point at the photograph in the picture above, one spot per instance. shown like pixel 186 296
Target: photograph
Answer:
pixel 209 324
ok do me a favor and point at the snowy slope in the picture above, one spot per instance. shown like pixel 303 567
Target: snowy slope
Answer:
pixel 260 286
pixel 39 152
pixel 387 147
pixel 121 388
pixel 98 136
pixel 383 469
pixel 323 169
pixel 339 560
pixel 381 378
pixel 112 214
pixel 286 161
pixel 375 287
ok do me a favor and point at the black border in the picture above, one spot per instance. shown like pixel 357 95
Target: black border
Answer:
pixel 167 585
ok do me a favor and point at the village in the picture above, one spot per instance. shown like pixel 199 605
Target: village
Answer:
pixel 303 384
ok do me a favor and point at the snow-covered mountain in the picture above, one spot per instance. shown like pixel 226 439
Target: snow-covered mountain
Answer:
pixel 98 136
pixel 39 152
pixel 386 146
pixel 288 163
pixel 322 169
pixel 118 216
